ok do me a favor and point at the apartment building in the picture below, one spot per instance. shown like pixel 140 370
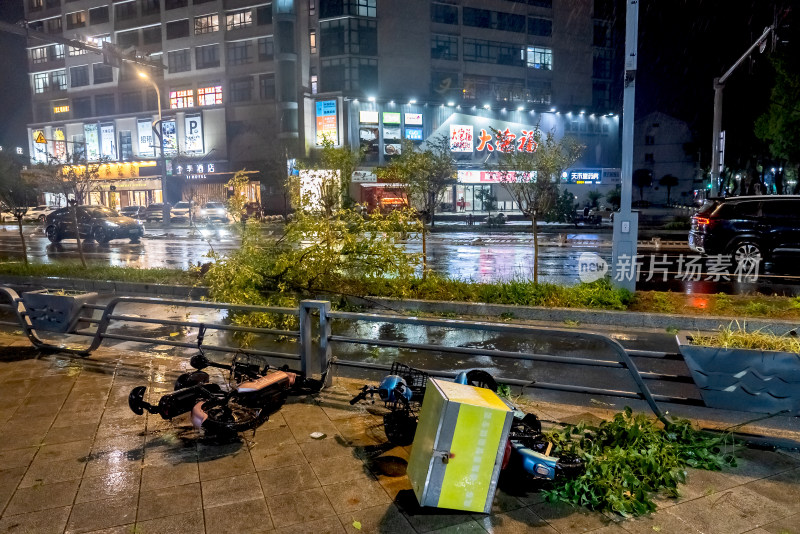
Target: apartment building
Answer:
pixel 250 84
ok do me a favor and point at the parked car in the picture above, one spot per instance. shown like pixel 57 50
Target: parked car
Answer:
pixel 155 212
pixel 6 214
pixel 213 211
pixel 134 212
pixel 182 210
pixel 748 227
pixel 38 213
pixel 94 222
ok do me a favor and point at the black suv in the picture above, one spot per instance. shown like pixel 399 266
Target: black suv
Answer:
pixel 748 227
pixel 95 222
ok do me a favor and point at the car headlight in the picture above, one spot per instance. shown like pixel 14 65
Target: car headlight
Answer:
pixel 203 212
pixel 111 224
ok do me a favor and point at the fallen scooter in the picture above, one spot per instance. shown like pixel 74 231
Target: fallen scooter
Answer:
pixel 254 393
pixel 402 391
pixel 529 449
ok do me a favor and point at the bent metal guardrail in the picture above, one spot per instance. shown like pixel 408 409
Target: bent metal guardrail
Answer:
pixel 315 360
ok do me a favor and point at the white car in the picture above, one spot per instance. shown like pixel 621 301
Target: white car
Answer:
pixel 6 215
pixel 181 210
pixel 215 211
pixel 38 213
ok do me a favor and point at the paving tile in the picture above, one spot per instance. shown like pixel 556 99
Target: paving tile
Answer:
pixel 787 525
pixel 783 489
pixel 385 518
pixel 661 521
pixel 50 521
pixel 62 452
pixel 566 518
pixel 289 479
pixel 175 500
pixel 516 521
pixel 300 507
pixel 75 415
pixel 70 433
pixel 163 476
pixel 356 495
pixel 426 519
pixel 247 517
pixel 117 484
pixel 17 457
pixel 49 473
pixel 229 490
pixel 328 525
pixel 332 446
pixel 238 463
pixel 341 469
pixel 20 439
pixel 270 457
pixel 729 511
pixel 189 523
pixel 42 497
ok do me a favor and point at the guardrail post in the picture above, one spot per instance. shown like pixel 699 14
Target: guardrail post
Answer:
pixel 313 363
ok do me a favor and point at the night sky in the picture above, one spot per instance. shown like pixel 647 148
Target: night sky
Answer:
pixel 683 45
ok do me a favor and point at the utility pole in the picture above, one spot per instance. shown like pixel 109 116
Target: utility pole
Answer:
pixel 719 85
pixel 626 222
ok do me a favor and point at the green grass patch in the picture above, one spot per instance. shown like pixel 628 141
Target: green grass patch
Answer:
pixel 100 272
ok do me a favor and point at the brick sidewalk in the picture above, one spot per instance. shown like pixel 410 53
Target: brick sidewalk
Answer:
pixel 73 458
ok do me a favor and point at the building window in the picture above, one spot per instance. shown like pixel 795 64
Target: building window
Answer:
pixel 444 14
pixel 312 7
pixel 175 4
pixel 128 39
pixel 648 158
pixel 39 55
pixel 125 11
pixel 59 80
pixel 82 107
pixel 649 140
pixel 349 74
pixel 482 51
pixel 601 65
pixel 98 15
pixel 540 58
pixel 76 20
pixel 150 7
pixel 151 35
pixel 131 102
pixel 125 145
pixel 266 87
pixel 444 47
pixel 240 19
pixel 206 57
pixel 264 15
pixel 179 61
pixel 104 104
pixel 314 84
pixel 541 3
pixel 240 53
pixel 266 49
pixel 540 92
pixel 206 24
pixel 79 76
pixel 602 34
pixel 241 90
pixel 484 18
pixel 601 95
pixel 348 36
pixel 41 82
pixel 209 96
pixel 540 27
pixel 75 51
pixel 312 40
pixel 178 29
pixel 181 99
pixel 365 8
pixel 102 73
pixel 33 5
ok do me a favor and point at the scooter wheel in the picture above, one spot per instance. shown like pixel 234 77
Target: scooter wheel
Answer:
pixel 231 417
pixel 136 400
pixel 481 379
pixel 569 467
pixel 400 428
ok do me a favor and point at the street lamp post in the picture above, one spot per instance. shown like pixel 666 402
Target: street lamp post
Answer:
pixel 160 134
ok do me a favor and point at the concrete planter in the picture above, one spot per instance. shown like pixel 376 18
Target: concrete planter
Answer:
pixel 747 380
pixel 55 312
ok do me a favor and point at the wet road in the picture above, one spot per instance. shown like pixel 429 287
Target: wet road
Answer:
pixel 481 257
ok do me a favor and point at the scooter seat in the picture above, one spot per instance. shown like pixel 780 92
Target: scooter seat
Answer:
pixel 266 381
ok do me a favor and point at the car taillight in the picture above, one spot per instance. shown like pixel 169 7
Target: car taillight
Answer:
pixel 702 221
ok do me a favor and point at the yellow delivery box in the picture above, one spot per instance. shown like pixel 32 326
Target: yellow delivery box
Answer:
pixel 459 445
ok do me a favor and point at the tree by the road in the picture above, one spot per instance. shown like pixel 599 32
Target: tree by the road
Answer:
pixel 780 125
pixel 237 197
pixel 614 197
pixel 325 180
pixel 532 176
pixel 669 181
pixel 487 199
pixel 642 178
pixel 16 194
pixel 424 175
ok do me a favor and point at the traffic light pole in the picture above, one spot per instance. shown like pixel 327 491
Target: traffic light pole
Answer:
pixel 626 222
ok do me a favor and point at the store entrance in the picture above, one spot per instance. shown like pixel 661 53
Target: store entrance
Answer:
pixel 471 197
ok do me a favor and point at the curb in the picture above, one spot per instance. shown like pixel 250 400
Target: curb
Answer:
pixel 105 286
pixel 582 316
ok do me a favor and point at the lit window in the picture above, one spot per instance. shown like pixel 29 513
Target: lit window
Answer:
pixel 209 96
pixel 206 24
pixel 39 55
pixel 181 99
pixel 241 19
pixel 40 82
pixel 540 58
pixel 312 40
